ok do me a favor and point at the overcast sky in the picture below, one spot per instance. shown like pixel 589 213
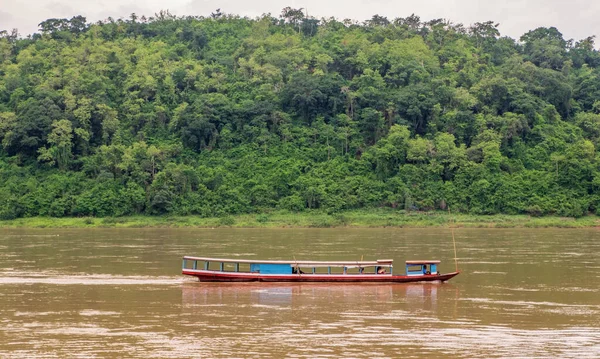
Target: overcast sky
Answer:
pixel 576 19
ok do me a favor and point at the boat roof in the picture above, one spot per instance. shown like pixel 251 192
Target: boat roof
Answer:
pixel 295 263
pixel 423 262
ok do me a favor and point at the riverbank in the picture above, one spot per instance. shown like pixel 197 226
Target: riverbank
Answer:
pixel 315 219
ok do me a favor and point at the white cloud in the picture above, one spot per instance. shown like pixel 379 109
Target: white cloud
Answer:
pixel 5 17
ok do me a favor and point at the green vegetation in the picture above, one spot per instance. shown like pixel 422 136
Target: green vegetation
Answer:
pixel 381 217
pixel 296 121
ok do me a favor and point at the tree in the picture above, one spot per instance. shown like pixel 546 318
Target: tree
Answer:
pixel 484 33
pixel 347 131
pixel 33 122
pixel 293 16
pixel 545 47
pixel 61 143
pixel 451 157
pixel 7 124
pixel 418 150
pixel 303 96
pixel 377 20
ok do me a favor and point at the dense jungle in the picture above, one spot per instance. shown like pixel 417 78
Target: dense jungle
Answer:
pixel 223 115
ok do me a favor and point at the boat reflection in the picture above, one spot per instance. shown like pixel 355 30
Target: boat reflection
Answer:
pixel 418 296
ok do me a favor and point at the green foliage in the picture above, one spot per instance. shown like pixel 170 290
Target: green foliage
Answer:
pixel 227 221
pixel 223 116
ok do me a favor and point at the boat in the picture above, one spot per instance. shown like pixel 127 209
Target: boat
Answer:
pixel 245 270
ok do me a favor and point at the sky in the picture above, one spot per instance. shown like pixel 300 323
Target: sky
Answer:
pixel 576 19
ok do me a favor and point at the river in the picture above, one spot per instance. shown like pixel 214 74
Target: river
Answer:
pixel 114 293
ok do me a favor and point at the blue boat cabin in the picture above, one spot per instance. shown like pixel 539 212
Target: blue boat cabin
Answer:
pixel 424 267
pixel 265 268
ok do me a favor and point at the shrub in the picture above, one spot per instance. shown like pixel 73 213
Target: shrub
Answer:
pixel 226 221
pixel 262 218
pixel 534 211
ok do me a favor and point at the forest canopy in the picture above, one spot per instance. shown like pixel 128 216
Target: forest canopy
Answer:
pixel 224 115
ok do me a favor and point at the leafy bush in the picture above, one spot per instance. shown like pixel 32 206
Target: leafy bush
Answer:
pixel 226 221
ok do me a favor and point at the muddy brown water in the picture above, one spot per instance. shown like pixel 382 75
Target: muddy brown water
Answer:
pixel 114 293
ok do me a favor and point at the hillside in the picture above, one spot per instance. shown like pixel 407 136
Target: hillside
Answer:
pixel 228 115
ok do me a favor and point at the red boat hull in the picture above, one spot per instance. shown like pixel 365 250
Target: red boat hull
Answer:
pixel 215 276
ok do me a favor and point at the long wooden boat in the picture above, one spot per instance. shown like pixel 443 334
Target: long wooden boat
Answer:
pixel 379 271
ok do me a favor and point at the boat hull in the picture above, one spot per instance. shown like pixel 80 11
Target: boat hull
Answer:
pixel 217 276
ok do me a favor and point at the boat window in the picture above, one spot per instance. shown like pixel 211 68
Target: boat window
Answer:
pixel 337 270
pixel 353 270
pixel 319 270
pixel 244 267
pixel 414 268
pixel 229 267
pixel 188 264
